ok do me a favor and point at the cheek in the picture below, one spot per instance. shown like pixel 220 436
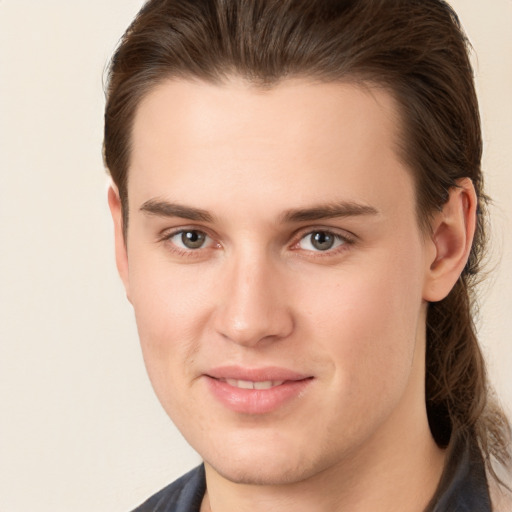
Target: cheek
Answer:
pixel 170 312
pixel 367 322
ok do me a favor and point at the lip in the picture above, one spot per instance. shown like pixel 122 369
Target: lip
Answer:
pixel 255 374
pixel 256 401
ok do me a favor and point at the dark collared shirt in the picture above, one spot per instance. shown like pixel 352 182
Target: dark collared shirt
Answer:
pixel 463 486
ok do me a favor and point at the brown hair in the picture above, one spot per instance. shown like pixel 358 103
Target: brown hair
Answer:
pixel 417 50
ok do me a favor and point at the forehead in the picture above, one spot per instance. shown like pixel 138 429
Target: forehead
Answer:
pixel 317 141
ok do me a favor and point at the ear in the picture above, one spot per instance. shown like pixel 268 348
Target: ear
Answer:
pixel 114 203
pixel 453 230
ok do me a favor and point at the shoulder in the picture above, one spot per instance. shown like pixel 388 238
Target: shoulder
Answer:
pixel 463 486
pixel 183 495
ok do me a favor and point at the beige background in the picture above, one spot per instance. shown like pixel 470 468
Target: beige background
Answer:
pixel 80 429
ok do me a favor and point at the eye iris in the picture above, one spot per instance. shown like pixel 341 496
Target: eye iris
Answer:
pixel 322 241
pixel 192 239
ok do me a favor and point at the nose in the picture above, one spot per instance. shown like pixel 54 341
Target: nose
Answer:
pixel 254 308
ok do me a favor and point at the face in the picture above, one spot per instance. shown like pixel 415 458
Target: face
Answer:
pixel 277 273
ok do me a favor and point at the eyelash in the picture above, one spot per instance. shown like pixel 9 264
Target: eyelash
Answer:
pixel 345 240
pixel 187 252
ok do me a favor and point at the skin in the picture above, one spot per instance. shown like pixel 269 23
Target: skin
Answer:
pixel 259 293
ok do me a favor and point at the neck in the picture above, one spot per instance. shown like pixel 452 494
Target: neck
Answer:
pixel 399 479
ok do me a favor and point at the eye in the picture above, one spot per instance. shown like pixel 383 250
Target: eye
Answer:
pixel 321 241
pixel 190 239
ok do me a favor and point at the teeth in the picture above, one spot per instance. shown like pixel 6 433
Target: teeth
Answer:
pixel 245 384
pixel 268 384
pixel 248 384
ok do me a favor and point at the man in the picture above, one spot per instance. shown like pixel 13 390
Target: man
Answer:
pixel 297 203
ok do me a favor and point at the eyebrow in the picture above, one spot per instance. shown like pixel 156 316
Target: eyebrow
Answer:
pixel 164 208
pixel 328 211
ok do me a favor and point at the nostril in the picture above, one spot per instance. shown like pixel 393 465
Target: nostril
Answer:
pixel 252 310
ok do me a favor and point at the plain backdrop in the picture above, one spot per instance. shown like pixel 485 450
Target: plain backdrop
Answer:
pixel 80 429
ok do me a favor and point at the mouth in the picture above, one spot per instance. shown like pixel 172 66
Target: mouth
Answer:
pixel 257 391
pixel 249 384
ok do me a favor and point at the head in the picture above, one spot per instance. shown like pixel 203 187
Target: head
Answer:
pixel 410 56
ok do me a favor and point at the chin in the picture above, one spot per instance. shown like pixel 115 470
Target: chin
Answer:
pixel 254 473
pixel 265 466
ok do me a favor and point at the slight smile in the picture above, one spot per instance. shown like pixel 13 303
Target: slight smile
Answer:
pixel 256 391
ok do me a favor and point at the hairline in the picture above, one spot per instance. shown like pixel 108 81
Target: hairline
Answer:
pixel 224 77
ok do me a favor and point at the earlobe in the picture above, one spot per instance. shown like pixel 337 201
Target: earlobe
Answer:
pixel 453 230
pixel 114 203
